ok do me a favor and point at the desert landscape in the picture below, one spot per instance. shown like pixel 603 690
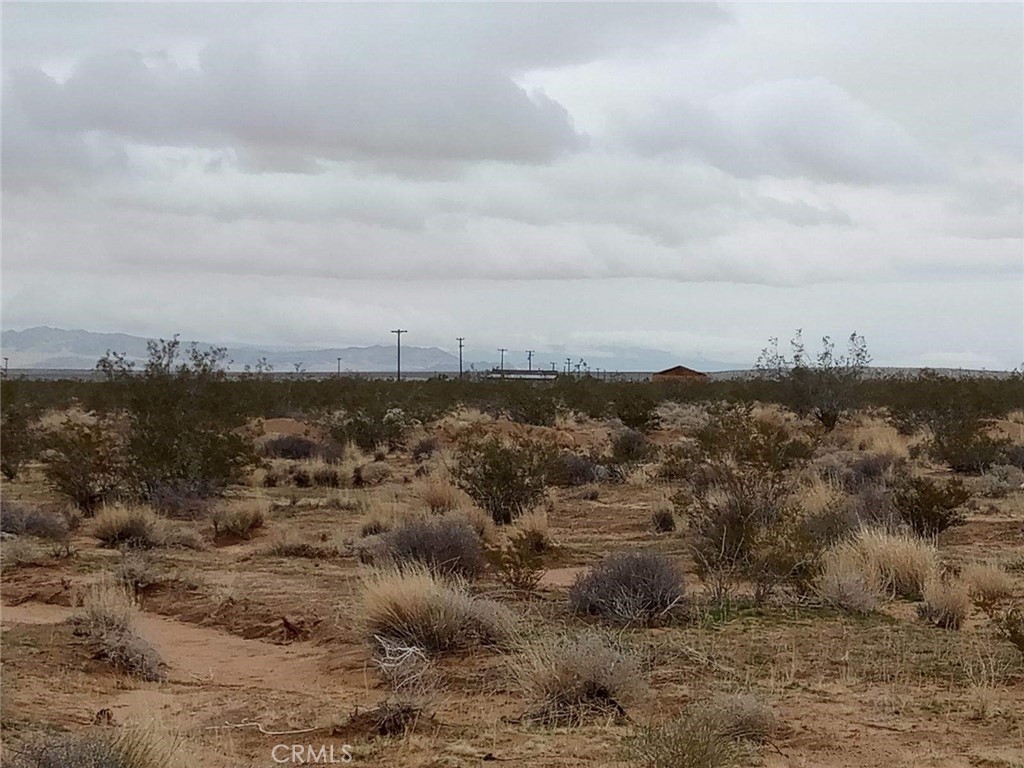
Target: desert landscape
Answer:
pixel 683 576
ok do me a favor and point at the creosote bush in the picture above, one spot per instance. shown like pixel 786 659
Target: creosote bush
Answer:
pixel 414 606
pixel 930 507
pixel 630 587
pixel 505 477
pixel 87 464
pixel 568 679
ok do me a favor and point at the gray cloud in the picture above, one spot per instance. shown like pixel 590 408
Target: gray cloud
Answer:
pixel 551 172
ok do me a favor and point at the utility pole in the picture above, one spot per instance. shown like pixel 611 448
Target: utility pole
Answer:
pixel 460 339
pixel 398 332
pixel 5 366
pixel 503 351
pixel 529 359
pixel 568 365
pixel 339 367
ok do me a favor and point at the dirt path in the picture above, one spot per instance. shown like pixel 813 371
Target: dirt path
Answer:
pixel 208 656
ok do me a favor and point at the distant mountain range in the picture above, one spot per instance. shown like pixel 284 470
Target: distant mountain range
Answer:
pixel 57 348
pixel 60 349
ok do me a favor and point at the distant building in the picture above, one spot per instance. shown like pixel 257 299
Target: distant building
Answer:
pixel 536 374
pixel 679 373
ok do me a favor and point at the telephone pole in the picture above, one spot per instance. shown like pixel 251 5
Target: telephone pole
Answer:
pixel 339 367
pixel 460 339
pixel 568 365
pixel 398 332
pixel 529 359
pixel 503 351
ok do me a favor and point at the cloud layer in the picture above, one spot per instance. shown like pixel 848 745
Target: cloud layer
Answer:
pixel 443 149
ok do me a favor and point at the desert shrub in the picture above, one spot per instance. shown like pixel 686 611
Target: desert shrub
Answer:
pixel 534 530
pixel 414 606
pixel 440 497
pixel 375 526
pixel 370 427
pixel 947 604
pixel 630 446
pixel 30 520
pixel 570 470
pixel 18 438
pixel 733 434
pixel 1010 625
pixel 568 679
pixel 519 565
pixel 744 526
pixel 930 507
pixel 127 526
pixel 663 520
pixel 690 741
pixel 868 469
pixel 444 545
pixel 326 477
pixel 131 748
pixel 590 493
pixel 988 585
pixel 424 448
pixel 963 446
pixel 528 405
pixel 1013 455
pixel 239 520
pixel 293 447
pixel 131 654
pixel 897 564
pixel 479 521
pixel 374 473
pixel 183 498
pixel 180 426
pixel 289 545
pixel 300 477
pixel 506 478
pixel 629 587
pixel 87 463
pixel 135 572
pixel 743 716
pixel 107 619
pixel 1000 480
pixel 825 386
pixel 844 583
pixel 637 411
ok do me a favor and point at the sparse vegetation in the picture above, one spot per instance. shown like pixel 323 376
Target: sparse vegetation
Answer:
pixel 445 545
pixel 506 478
pixel 126 526
pixel 417 607
pixel 239 519
pixel 568 679
pixel 947 604
pixel 630 587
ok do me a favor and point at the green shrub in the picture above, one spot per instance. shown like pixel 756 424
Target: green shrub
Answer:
pixel 630 446
pixel 733 434
pixel 505 477
pixel 637 411
pixel 930 507
pixel 18 439
pixel 87 463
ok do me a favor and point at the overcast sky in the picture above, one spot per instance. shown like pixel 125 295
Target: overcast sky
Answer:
pixel 691 178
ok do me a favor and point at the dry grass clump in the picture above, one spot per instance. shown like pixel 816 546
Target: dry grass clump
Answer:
pixel 988 584
pixel 570 678
pixel 479 521
pixel 532 527
pixel 900 564
pixel 446 545
pixel 844 582
pixel 127 526
pixel 414 606
pixel 107 618
pixel 947 604
pixel 691 741
pixel 239 519
pixel 290 544
pixel 440 497
pixel 629 587
pixel 743 716
pixel 663 519
pixel 877 436
pixel 134 747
